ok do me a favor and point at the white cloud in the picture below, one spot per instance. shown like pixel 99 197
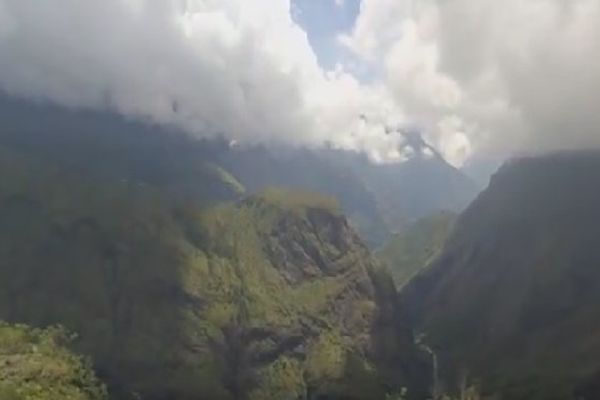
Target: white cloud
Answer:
pixel 489 77
pixel 235 67
pixel 479 76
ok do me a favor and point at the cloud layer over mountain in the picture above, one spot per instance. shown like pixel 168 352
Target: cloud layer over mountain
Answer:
pixel 512 76
pixel 479 77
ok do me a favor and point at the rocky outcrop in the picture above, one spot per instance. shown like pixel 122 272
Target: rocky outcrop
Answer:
pixel 271 297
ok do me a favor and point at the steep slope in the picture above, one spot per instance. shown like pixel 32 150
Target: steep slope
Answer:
pixel 513 303
pixel 408 191
pixel 376 198
pixel 419 187
pixel 259 167
pixel 160 156
pixel 408 252
pixel 271 296
pixel 35 364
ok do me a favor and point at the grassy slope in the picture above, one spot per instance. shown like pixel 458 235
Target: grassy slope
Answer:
pixel 408 252
pixel 35 365
pixel 260 299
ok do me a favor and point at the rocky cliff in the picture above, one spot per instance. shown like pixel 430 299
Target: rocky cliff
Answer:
pixel 269 297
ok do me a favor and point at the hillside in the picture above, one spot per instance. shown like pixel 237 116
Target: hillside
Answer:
pixel 163 156
pixel 108 147
pixel 258 168
pixel 408 252
pixel 377 198
pixel 36 365
pixel 408 191
pixel 512 303
pixel 269 295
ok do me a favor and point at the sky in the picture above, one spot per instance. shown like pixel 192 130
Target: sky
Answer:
pixel 480 79
pixel 323 21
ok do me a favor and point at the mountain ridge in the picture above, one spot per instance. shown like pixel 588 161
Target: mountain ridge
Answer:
pixel 378 199
pixel 532 235
pixel 245 299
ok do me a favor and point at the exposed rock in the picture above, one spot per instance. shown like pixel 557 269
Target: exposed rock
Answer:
pixel 272 297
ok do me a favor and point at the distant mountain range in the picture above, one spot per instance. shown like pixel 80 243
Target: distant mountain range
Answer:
pixel 408 191
pixel 378 198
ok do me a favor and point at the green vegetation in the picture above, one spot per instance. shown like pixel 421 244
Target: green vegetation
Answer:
pixel 408 252
pixel 299 200
pixel 36 365
pixel 511 304
pixel 245 300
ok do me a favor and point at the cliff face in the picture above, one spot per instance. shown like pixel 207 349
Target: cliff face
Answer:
pixel 512 303
pixel 271 297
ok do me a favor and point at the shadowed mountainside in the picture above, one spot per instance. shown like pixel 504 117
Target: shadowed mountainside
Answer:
pixel 270 295
pixel 512 304
pixel 378 199
pixel 35 364
pixel 414 189
pixel 109 146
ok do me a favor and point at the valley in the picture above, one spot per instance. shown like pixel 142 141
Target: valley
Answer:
pixel 195 269
pixel 299 200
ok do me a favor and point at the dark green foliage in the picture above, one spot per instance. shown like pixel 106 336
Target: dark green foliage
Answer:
pixel 108 147
pixel 36 365
pixel 512 303
pixel 249 300
pixel 408 252
pixel 307 170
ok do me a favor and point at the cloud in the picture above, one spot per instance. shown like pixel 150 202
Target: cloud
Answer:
pixel 480 78
pixel 240 68
pixel 488 77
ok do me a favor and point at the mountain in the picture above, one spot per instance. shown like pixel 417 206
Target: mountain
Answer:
pixel 109 147
pixel 512 304
pixel 258 297
pixel 408 252
pixel 258 168
pixel 416 188
pixel 36 364
pixel 377 198
pixel 162 156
